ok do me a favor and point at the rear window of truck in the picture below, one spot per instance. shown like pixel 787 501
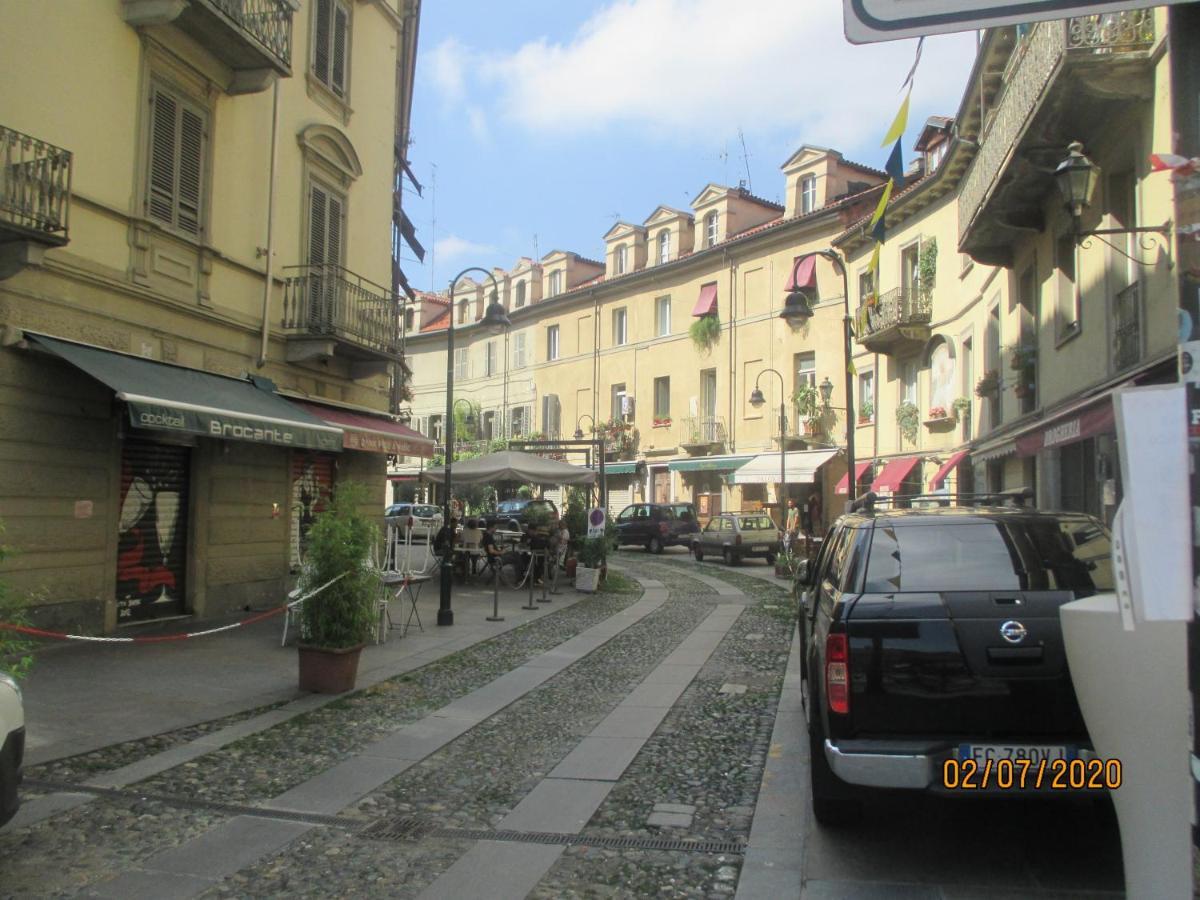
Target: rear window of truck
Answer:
pixel 1035 555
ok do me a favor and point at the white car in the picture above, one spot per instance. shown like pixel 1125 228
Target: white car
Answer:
pixel 12 753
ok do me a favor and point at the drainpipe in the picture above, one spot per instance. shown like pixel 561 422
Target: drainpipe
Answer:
pixel 270 250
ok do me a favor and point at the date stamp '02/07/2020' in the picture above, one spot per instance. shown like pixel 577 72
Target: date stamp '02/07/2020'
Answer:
pixel 1026 774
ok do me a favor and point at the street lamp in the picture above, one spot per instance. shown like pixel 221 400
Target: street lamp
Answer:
pixel 1076 177
pixel 469 418
pixel 798 308
pixel 495 320
pixel 826 389
pixel 757 400
pixel 579 426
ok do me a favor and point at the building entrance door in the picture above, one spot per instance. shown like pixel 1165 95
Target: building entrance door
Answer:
pixel 662 486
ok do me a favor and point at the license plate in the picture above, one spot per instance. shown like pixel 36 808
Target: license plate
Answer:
pixel 1035 753
pixel 758 549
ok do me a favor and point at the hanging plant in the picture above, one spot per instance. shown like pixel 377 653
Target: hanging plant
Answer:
pixel 961 406
pixel 705 332
pixel 1022 356
pixel 988 385
pixel 927 266
pixel 908 417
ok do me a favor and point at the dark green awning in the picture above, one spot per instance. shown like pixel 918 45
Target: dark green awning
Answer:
pixel 620 468
pixel 708 464
pixel 165 397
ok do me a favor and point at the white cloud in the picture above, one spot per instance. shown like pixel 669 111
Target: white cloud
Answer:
pixel 453 247
pixel 478 124
pixel 693 68
pixel 446 69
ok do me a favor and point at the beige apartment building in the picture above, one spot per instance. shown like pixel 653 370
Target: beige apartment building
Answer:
pixel 605 345
pixel 200 325
pixel 986 348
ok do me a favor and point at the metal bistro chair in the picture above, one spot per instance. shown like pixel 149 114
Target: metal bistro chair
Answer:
pixel 409 564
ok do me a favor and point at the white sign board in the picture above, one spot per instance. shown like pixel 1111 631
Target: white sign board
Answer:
pixel 596 521
pixel 868 21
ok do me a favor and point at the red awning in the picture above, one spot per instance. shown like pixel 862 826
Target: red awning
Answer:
pixel 706 303
pixel 894 473
pixel 1067 429
pixel 804 272
pixel 375 434
pixel 843 486
pixel 947 467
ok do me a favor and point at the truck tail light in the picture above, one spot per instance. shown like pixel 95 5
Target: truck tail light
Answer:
pixel 664 528
pixel 837 673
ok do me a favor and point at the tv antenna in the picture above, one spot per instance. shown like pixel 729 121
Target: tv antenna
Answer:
pixel 745 159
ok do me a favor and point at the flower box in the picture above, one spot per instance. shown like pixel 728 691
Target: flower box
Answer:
pixel 937 422
pixel 662 423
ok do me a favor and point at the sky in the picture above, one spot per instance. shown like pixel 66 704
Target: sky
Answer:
pixel 537 124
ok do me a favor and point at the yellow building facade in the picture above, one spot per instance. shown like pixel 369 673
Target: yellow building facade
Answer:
pixel 196 221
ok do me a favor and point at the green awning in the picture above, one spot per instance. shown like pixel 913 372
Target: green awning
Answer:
pixel 165 397
pixel 708 464
pixel 621 468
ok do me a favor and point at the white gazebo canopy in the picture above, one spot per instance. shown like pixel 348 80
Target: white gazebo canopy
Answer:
pixel 800 467
pixel 512 465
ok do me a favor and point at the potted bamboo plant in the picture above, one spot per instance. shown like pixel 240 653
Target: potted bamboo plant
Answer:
pixel 592 552
pixel 336 623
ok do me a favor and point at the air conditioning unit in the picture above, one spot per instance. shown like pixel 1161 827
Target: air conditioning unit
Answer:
pixel 627 407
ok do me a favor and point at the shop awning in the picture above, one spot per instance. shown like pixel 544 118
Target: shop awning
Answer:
pixel 375 434
pixel 708 464
pixel 894 473
pixel 1068 427
pixel 843 486
pixel 800 467
pixel 947 467
pixel 620 468
pixel 803 274
pixel 165 397
pixel 706 303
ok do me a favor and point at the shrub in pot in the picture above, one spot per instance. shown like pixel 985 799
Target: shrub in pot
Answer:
pixel 592 552
pixel 336 623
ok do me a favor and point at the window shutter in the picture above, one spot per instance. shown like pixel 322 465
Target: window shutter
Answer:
pixel 316 227
pixel 161 195
pixel 321 41
pixel 191 165
pixel 341 21
pixel 333 249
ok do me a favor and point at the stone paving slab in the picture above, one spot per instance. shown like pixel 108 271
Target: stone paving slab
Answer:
pixel 418 739
pixel 631 721
pixel 352 778
pixel 149 886
pixel 674 673
pixel 865 890
pixel 599 758
pixel 669 820
pixel 662 696
pixel 688 656
pixel 558 805
pixel 496 870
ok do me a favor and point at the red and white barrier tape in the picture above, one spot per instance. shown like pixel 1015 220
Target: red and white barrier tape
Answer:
pixel 162 638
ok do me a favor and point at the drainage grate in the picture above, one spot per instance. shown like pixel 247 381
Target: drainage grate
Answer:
pixel 233 809
pixel 409 829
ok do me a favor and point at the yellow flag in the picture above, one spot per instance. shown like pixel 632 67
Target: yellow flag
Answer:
pixel 900 122
pixel 874 266
pixel 883 202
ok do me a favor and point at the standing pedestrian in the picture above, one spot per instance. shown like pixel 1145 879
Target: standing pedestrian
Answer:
pixel 791 528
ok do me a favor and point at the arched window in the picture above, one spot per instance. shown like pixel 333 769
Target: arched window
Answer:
pixel 520 301
pixel 942 375
pixel 710 229
pixel 664 246
pixel 619 262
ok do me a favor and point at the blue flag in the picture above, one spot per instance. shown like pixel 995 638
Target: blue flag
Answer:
pixel 895 165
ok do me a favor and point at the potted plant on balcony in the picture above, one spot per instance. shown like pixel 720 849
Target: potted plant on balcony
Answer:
pixel 705 332
pixel 961 407
pixel 908 417
pixel 620 438
pixel 989 385
pixel 939 417
pixel 1023 389
pixel 866 412
pixel 927 267
pixel 336 623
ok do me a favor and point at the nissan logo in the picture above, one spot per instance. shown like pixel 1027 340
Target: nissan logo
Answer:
pixel 1013 631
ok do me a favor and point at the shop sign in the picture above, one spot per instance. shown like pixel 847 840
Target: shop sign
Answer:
pixel 227 426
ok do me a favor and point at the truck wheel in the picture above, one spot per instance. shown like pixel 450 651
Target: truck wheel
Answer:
pixel 833 801
pixel 654 545
pixel 697 552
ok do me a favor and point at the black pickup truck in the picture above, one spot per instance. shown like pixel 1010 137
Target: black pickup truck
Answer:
pixel 931 646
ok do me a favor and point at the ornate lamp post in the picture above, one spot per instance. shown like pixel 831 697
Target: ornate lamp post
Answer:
pixel 579 426
pixel 495 320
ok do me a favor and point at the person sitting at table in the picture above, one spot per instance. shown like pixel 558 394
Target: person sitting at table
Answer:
pixel 491 550
pixel 443 543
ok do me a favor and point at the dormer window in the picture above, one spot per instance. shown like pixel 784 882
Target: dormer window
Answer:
pixel 555 283
pixel 619 262
pixel 462 311
pixel 935 155
pixel 664 246
pixel 710 229
pixel 808 193
pixel 520 298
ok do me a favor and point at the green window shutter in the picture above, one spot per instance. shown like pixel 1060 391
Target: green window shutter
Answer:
pixel 333 246
pixel 341 33
pixel 160 198
pixel 191 168
pixel 321 40
pixel 318 201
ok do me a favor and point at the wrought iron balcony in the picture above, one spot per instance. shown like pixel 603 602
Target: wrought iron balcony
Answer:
pixel 1061 82
pixel 251 37
pixel 330 311
pixel 896 324
pixel 35 190
pixel 701 434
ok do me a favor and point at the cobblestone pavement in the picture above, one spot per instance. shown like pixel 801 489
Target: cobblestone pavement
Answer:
pixel 707 754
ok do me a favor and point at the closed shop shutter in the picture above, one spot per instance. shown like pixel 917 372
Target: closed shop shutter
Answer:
pixel 312 484
pixel 153 540
pixel 618 499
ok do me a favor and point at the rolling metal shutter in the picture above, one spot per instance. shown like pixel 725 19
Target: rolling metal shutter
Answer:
pixel 312 484
pixel 152 546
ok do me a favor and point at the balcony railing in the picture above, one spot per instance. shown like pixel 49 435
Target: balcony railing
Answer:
pixel 695 431
pixel 330 301
pixel 1034 64
pixel 895 318
pixel 1127 327
pixel 267 21
pixel 35 188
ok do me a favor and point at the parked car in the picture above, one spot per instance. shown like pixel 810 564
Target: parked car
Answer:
pixel 931 645
pixel 414 515
pixel 518 515
pixel 657 525
pixel 12 751
pixel 738 536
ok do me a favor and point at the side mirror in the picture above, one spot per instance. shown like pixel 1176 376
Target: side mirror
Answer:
pixel 803 573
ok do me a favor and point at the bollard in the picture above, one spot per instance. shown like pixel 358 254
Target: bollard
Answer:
pixel 529 578
pixel 495 616
pixel 545 576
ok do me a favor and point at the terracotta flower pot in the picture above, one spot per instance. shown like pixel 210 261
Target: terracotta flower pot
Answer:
pixel 325 671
